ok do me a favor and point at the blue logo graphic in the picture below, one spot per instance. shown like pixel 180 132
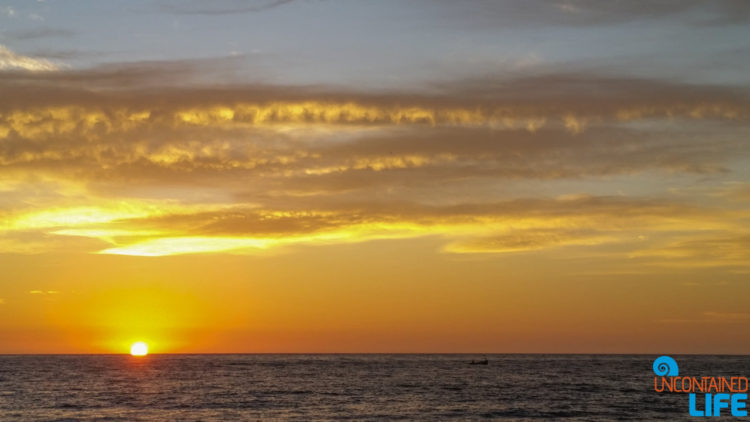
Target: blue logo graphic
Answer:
pixel 716 393
pixel 666 366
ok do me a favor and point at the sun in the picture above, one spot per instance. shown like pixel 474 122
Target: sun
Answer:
pixel 139 348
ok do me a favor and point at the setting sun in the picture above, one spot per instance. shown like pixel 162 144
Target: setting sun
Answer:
pixel 139 349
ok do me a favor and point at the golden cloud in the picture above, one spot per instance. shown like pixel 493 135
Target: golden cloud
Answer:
pixel 153 169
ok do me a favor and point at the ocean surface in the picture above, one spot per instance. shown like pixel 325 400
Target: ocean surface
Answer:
pixel 341 387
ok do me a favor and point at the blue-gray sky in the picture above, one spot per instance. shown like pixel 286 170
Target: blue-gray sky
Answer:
pixel 393 43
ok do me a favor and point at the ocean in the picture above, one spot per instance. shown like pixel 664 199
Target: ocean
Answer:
pixel 344 387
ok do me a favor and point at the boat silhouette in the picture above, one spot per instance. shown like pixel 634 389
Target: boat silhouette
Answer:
pixel 479 362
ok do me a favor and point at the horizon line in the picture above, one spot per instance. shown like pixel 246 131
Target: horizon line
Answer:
pixel 377 353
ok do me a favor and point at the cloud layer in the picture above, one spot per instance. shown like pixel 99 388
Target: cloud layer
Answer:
pixel 147 167
pixel 10 60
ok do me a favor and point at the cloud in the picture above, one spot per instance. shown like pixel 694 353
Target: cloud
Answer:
pixel 70 54
pixel 737 191
pixel 532 239
pixel 592 12
pixel 543 127
pixel 139 159
pixel 12 61
pixel 221 7
pixel 278 222
pixel 517 226
pixel 704 250
pixel 43 292
pixel 121 129
pixel 137 76
pixel 37 33
pixel 8 11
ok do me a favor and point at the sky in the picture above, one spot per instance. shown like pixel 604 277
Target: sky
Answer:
pixel 299 176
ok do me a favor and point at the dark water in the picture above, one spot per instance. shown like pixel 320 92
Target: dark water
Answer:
pixel 358 387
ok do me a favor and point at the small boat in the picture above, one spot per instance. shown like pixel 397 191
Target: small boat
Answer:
pixel 479 362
